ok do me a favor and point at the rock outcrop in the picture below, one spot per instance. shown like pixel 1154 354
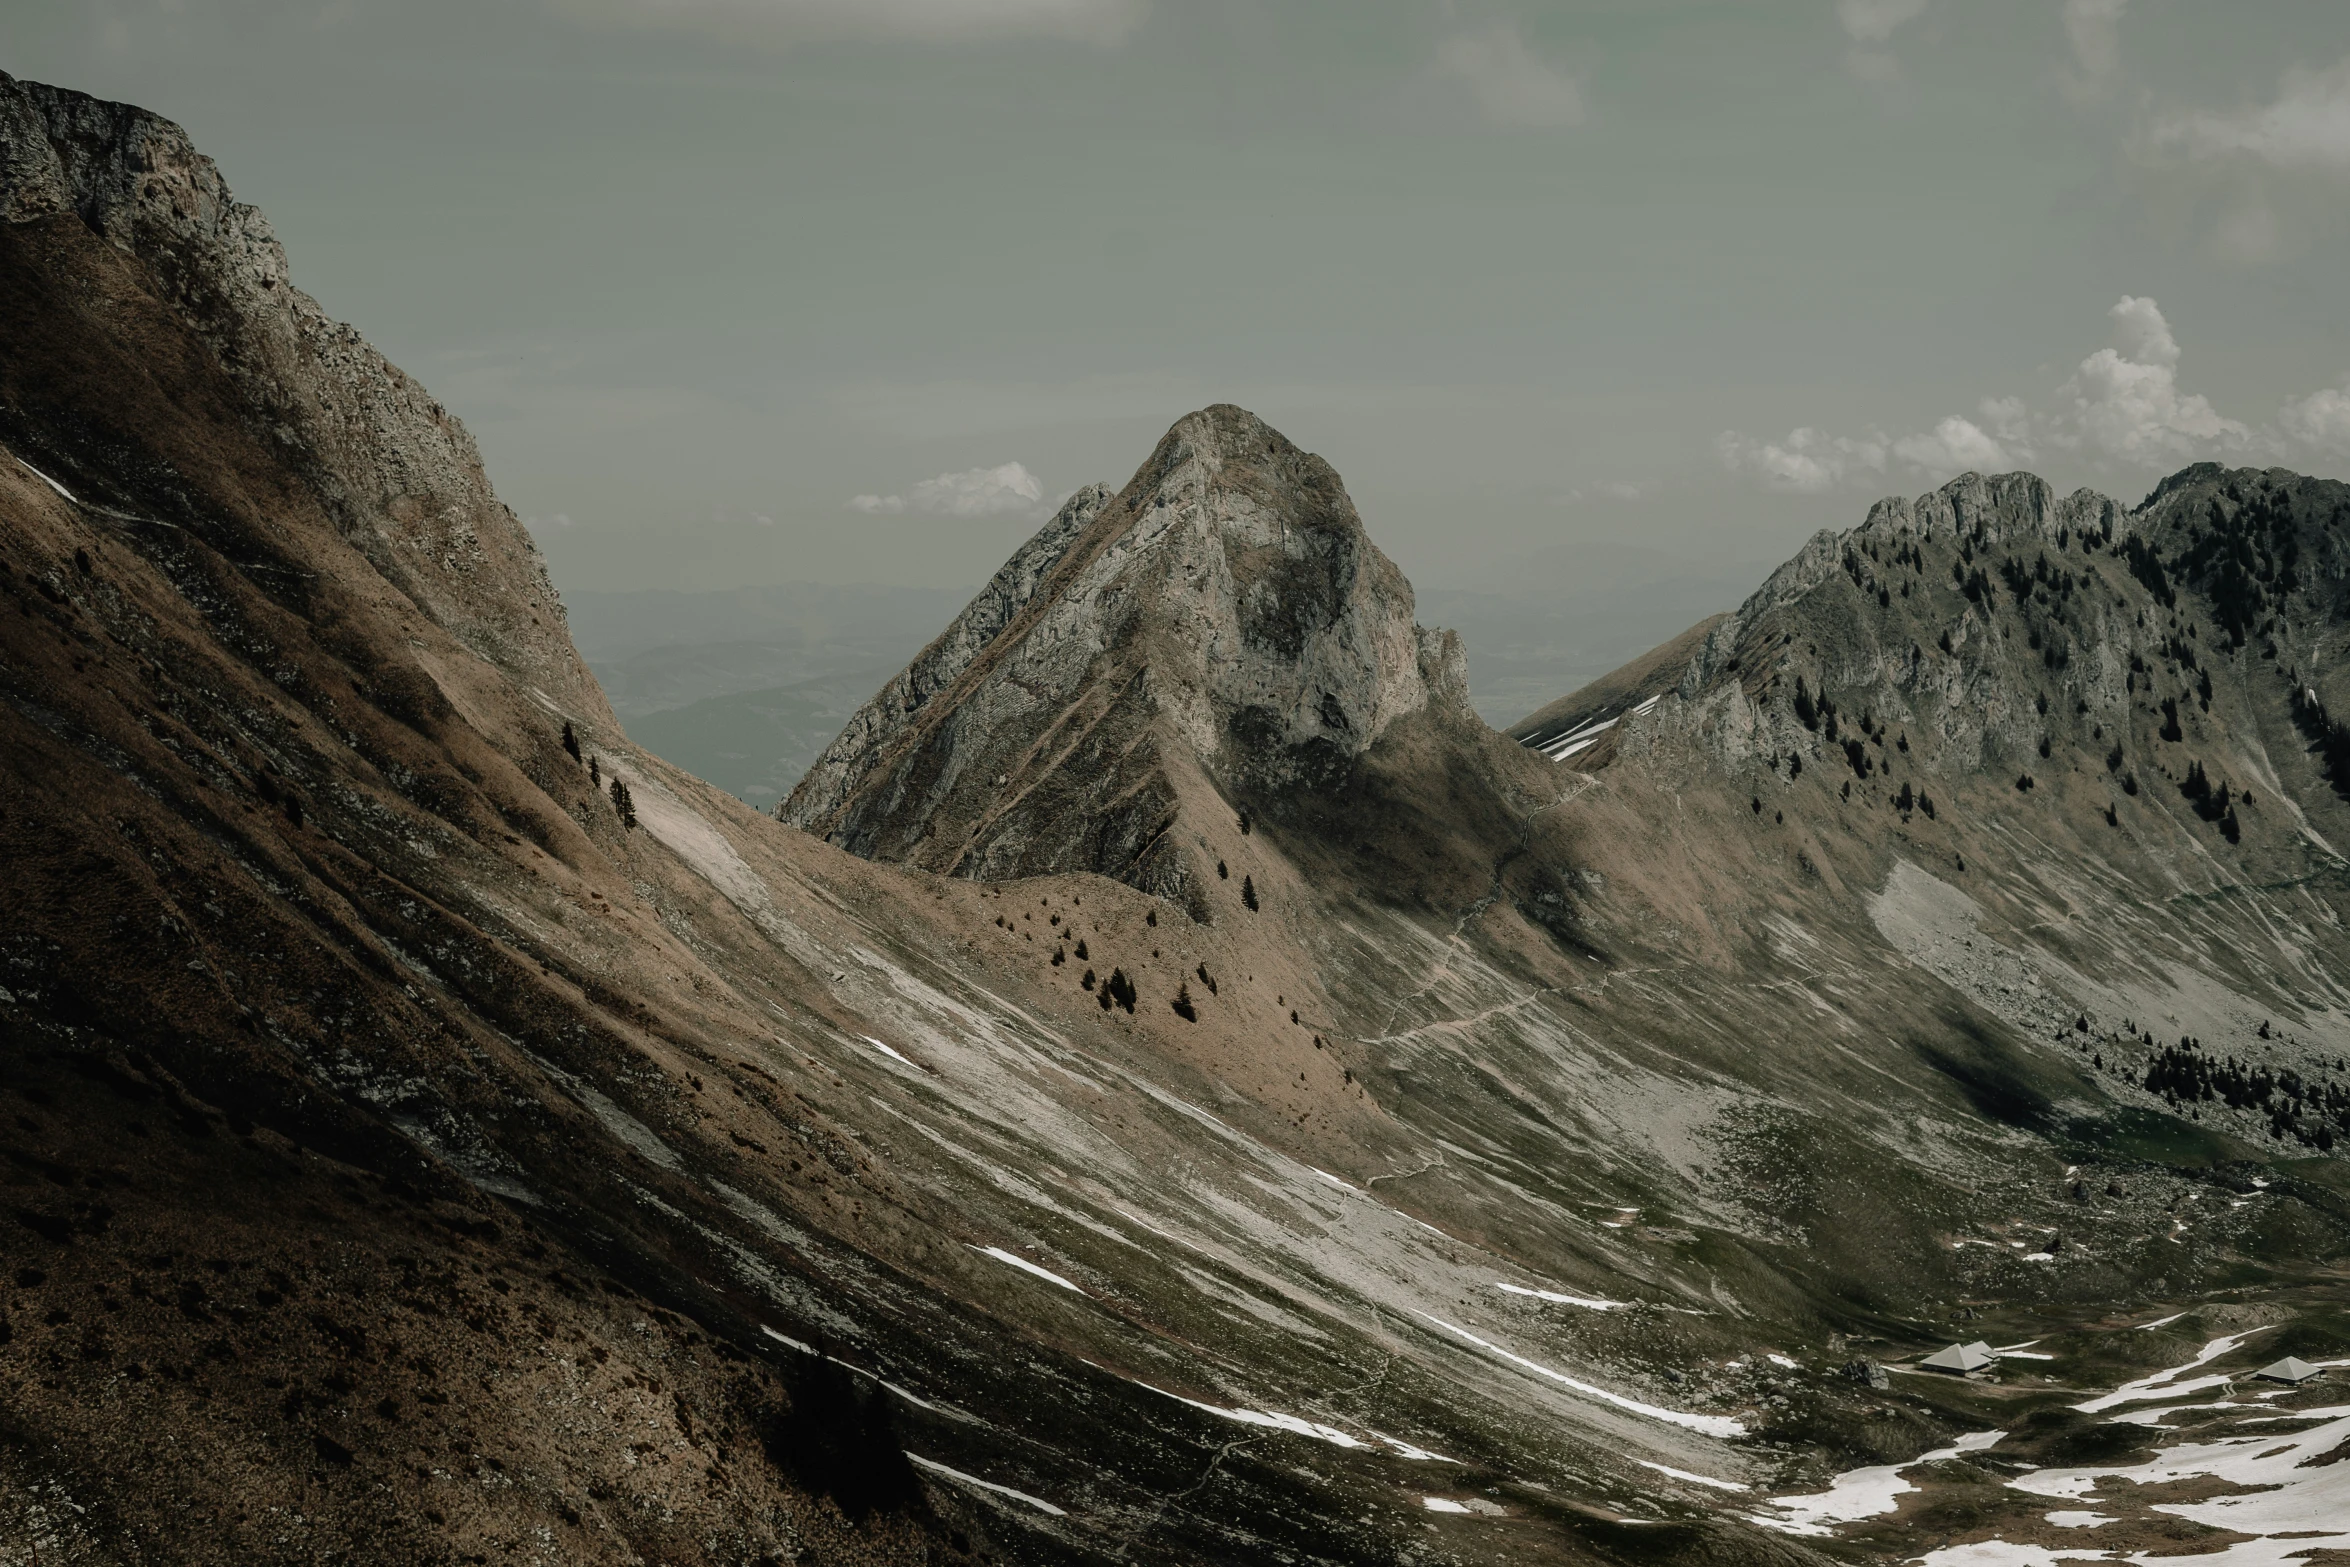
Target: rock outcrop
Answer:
pixel 395 470
pixel 1222 623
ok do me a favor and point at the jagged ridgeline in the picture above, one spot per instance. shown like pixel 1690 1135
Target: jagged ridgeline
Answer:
pixel 1192 1094
pixel 2060 700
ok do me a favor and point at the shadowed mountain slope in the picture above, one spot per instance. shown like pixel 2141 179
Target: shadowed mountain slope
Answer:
pixel 1305 1124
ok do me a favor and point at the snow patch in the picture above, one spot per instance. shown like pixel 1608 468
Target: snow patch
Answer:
pixel 1025 1266
pixel 1587 1302
pixel 2300 1505
pixel 1859 1493
pixel 885 1050
pixel 2159 1385
pixel 1273 1420
pixel 960 1478
pixel 1709 1425
pixel 45 479
pixel 1696 1479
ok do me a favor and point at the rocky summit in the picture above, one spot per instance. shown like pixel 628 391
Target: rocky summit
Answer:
pixel 1864 1082
pixel 1222 625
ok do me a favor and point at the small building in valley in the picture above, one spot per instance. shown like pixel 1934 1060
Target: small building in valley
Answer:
pixel 1959 1359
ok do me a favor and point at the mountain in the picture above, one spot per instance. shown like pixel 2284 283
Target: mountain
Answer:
pixel 1192 1092
pixel 1221 625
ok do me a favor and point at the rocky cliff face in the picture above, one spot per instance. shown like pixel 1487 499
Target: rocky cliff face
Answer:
pixel 1221 623
pixel 396 472
pixel 2045 696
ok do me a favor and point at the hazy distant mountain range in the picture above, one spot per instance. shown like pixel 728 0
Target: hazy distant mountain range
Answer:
pixel 744 687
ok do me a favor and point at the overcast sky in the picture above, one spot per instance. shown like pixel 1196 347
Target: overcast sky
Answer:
pixel 747 291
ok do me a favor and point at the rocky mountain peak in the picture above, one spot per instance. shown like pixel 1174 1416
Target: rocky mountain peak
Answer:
pixel 1223 620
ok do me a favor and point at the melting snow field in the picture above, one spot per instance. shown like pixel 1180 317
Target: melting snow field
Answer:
pixel 45 479
pixel 2295 1501
pixel 2160 1385
pixel 2310 1502
pixel 1859 1493
pixel 1559 747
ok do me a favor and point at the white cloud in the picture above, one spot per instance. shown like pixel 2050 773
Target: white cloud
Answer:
pixel 780 21
pixel 2126 400
pixel 974 492
pixel 1875 21
pixel 1954 446
pixel 2142 333
pixel 2008 419
pixel 2322 420
pixel 2249 233
pixel 1512 84
pixel 1871 24
pixel 2093 29
pixel 1877 67
pixel 2307 127
pixel 2122 405
pixel 1806 461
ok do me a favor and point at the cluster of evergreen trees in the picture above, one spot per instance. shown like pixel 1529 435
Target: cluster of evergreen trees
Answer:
pixel 1117 990
pixel 2329 741
pixel 2145 563
pixel 1818 714
pixel 623 803
pixel 2245 563
pixel 2306 1112
pixel 2213 802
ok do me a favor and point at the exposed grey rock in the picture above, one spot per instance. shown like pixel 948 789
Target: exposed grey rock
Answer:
pixel 1223 621
pixel 852 756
